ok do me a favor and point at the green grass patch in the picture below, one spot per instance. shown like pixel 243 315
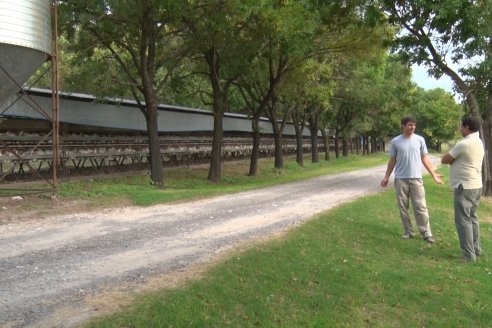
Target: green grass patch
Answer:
pixel 345 268
pixel 192 183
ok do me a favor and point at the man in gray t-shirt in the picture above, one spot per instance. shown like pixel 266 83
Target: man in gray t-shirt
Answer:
pixel 407 154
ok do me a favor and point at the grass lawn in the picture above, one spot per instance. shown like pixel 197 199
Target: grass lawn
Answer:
pixel 191 183
pixel 347 267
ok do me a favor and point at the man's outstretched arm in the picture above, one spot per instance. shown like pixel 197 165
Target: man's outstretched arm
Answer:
pixel 430 168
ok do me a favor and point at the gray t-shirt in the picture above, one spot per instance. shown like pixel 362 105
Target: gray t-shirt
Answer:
pixel 408 153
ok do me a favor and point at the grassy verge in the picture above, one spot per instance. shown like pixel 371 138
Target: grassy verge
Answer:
pixel 347 267
pixel 191 183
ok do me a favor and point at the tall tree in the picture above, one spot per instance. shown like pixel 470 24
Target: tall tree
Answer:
pixel 384 91
pixel 308 29
pixel 351 32
pixel 309 87
pixel 215 32
pixel 359 96
pixel 438 116
pixel 138 36
pixel 288 30
pixel 438 34
pixel 257 91
pixel 294 94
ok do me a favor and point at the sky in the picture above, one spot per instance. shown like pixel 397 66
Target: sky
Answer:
pixel 423 80
pixel 420 77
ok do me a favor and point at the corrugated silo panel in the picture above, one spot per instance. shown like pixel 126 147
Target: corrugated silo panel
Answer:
pixel 25 41
pixel 26 23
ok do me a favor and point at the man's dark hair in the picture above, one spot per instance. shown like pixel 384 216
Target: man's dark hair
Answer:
pixel 471 122
pixel 407 119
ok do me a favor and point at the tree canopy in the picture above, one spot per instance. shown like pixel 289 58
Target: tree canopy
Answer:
pixel 321 64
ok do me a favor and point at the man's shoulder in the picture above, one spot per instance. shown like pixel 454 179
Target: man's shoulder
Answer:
pixel 458 148
pixel 397 138
pixel 473 143
pixel 474 139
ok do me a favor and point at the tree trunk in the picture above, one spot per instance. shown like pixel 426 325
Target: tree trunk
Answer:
pixel 487 136
pixel 253 165
pixel 314 128
pixel 219 102
pixel 215 170
pixel 156 170
pixel 279 153
pixel 364 145
pixel 485 133
pixel 299 142
pixel 278 129
pixel 326 142
pixel 337 144
pixel 314 144
pixel 345 146
pixel 299 150
pixel 487 169
pixel 357 143
pixel 155 157
pixel 487 175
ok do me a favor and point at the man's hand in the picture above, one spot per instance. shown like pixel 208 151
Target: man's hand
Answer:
pixel 438 178
pixel 384 182
pixel 447 159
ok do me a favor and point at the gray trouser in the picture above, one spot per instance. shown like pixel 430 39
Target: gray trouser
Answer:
pixel 413 189
pixel 465 217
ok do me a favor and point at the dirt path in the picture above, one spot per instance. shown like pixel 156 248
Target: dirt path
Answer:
pixel 59 271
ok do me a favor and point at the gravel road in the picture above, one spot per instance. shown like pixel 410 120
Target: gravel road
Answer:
pixel 60 271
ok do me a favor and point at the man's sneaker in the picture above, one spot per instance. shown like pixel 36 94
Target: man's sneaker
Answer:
pixel 429 239
pixel 407 235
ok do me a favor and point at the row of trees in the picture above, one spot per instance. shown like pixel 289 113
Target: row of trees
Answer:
pixel 323 65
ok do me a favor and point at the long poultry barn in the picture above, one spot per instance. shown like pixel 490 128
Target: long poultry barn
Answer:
pixel 82 110
pixel 109 134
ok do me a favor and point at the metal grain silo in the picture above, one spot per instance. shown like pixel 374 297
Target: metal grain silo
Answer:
pixel 25 41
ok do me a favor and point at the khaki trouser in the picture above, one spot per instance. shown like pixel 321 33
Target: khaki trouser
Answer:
pixel 413 189
pixel 466 203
